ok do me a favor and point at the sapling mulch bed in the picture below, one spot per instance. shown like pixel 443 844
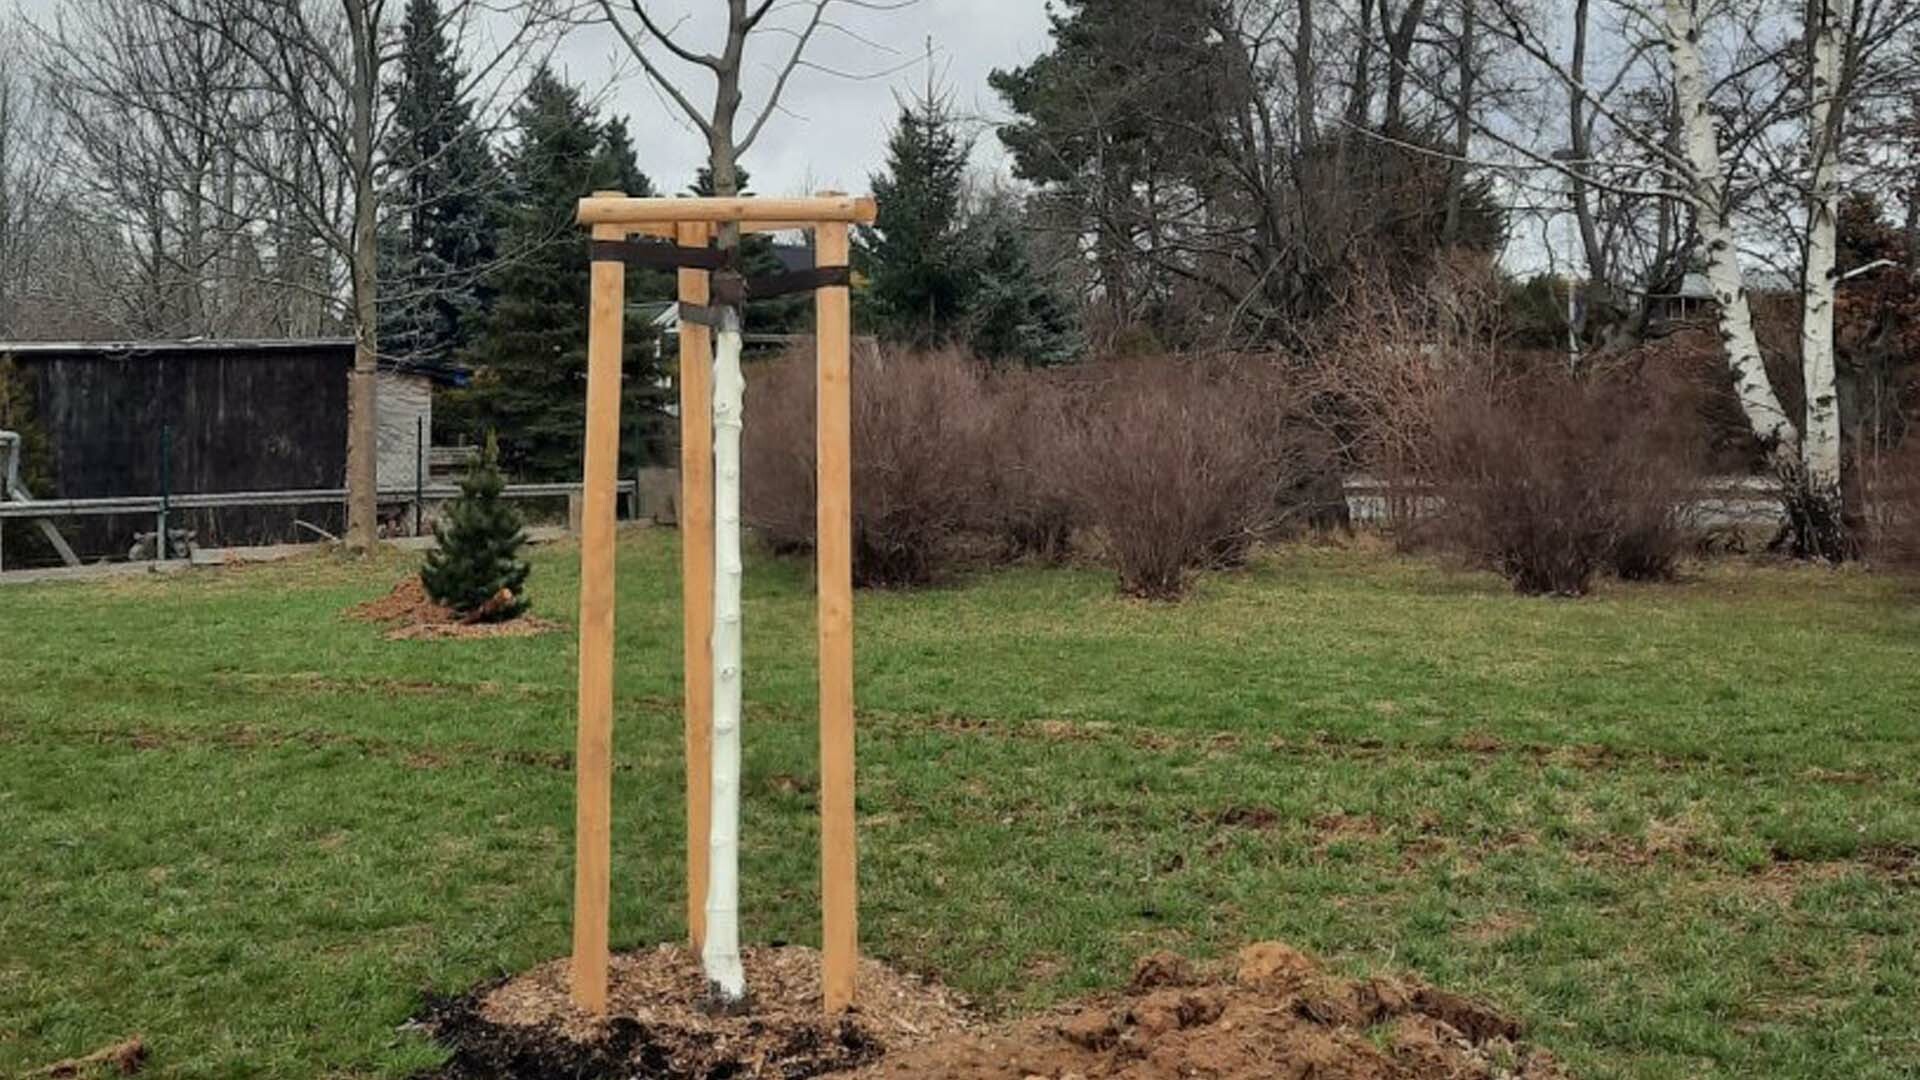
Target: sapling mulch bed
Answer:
pixel 408 613
pixel 1270 1012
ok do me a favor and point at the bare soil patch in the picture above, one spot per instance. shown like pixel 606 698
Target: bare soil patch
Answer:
pixel 659 1023
pixel 1270 1012
pixel 411 615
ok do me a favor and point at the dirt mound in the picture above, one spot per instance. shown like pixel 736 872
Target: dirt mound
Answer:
pixel 658 1023
pixel 411 615
pixel 1270 1012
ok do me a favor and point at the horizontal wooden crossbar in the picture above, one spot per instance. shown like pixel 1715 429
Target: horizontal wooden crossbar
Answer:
pixel 790 212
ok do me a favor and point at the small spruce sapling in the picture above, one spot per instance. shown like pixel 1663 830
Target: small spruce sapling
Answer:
pixel 479 544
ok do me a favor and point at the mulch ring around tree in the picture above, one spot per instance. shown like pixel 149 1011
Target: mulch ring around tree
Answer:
pixel 1270 1012
pixel 410 614
pixel 659 1025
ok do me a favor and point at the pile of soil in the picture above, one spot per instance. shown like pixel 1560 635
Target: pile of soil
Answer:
pixel 659 1023
pixel 410 614
pixel 1271 1013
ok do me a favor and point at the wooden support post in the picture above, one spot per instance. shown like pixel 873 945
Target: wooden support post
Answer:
pixel 593 758
pixel 696 574
pixel 839 925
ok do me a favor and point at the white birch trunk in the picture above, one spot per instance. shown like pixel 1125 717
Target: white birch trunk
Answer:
pixel 1821 434
pixel 720 953
pixel 1708 190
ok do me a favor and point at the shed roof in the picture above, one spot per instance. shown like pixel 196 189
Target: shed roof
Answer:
pixel 261 348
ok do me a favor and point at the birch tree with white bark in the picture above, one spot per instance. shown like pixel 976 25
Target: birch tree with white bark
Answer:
pixel 1752 165
pixel 659 47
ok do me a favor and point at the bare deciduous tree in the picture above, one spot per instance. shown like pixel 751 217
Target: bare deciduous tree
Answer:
pixel 258 127
pixel 26 185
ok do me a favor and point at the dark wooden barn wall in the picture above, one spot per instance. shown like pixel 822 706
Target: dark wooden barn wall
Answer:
pixel 260 421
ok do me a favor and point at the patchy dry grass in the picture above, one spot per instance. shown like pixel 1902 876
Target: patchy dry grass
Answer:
pixel 1676 828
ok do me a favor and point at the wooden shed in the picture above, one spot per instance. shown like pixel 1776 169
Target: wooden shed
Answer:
pixel 259 415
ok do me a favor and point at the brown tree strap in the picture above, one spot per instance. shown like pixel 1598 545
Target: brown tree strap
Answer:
pixel 659 255
pixel 729 288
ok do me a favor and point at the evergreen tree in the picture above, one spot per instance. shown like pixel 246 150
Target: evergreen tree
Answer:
pixel 619 164
pixel 919 271
pixel 530 362
pixel 479 548
pixel 435 251
pixel 1013 312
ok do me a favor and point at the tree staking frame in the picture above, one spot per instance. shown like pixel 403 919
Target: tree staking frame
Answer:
pixel 705 276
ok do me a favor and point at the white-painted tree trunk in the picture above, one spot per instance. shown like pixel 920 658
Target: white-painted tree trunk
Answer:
pixel 720 953
pixel 1708 193
pixel 1821 435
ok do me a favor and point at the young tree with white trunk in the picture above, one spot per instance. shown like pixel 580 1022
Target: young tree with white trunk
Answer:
pixel 655 45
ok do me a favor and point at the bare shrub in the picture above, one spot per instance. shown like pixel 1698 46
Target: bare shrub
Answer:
pixel 918 420
pixel 777 452
pixel 1549 479
pixel 1183 463
pixel 1027 506
pixel 1383 371
pixel 1893 491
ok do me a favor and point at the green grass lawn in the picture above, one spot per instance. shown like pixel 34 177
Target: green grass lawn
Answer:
pixel 1675 828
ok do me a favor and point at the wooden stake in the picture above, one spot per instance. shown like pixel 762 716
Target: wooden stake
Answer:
pixel 696 574
pixel 593 758
pixel 839 919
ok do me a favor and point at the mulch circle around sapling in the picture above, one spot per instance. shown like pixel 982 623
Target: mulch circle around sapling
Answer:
pixel 1271 1011
pixel 659 1023
pixel 410 615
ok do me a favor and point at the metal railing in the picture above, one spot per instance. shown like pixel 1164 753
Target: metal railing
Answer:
pixel 154 504
pixel 162 506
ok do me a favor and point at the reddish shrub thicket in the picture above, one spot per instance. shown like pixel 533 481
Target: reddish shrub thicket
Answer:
pixel 1550 478
pixel 918 421
pixel 1173 464
pixel 1027 506
pixel 777 452
pixel 1183 463
pixel 1893 492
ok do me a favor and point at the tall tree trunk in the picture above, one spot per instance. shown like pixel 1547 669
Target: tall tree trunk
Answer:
pixel 1303 75
pixel 1708 192
pixel 1360 90
pixel 1820 446
pixel 1813 522
pixel 1579 147
pixel 363 421
pixel 1462 127
pixel 1400 40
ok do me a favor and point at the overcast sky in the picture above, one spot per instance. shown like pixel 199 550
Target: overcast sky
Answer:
pixel 833 133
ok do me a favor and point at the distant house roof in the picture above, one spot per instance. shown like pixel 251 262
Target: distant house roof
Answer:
pixel 1695 286
pixel 446 374
pixel 794 256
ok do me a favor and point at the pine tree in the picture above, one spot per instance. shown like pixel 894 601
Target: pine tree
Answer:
pixel 435 251
pixel 479 545
pixel 530 361
pixel 913 255
pixel 1015 313
pixel 619 164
